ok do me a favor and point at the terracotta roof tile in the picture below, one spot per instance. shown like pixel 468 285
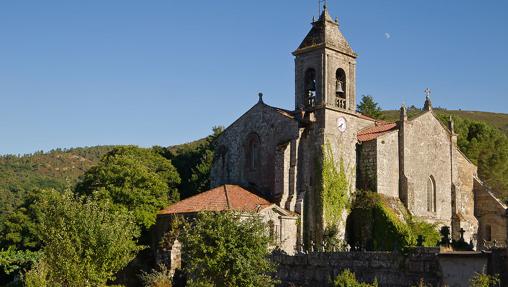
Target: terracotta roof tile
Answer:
pixel 222 198
pixel 373 132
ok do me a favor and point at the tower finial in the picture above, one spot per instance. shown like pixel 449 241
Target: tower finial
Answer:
pixel 260 95
pixel 428 102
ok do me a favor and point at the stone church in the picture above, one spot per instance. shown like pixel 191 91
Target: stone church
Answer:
pixel 277 153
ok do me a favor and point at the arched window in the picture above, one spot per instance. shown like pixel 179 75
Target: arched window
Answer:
pixel 252 152
pixel 340 89
pixel 310 87
pixel 431 194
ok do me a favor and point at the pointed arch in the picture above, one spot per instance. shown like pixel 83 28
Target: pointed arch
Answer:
pixel 431 194
pixel 252 147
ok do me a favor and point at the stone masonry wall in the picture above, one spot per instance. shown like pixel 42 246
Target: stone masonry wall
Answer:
pixel 388 164
pixel 389 268
pixel 367 166
pixel 490 212
pixel 426 154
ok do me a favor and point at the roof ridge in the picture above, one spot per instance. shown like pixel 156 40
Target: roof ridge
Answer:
pixel 227 197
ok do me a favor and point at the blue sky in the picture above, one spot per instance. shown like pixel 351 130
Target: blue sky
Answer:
pixel 96 72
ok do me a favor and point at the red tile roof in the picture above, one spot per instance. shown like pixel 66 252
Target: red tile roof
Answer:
pixel 376 131
pixel 222 198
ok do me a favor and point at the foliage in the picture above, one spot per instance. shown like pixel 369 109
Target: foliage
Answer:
pixel 370 108
pixel 332 240
pixel 486 147
pixel 193 161
pixel 133 179
pixel 20 231
pixel 21 174
pixel 335 188
pixel 484 280
pixel 220 249
pixel 85 242
pixel 13 262
pixel 348 279
pixel 374 225
pixel 161 277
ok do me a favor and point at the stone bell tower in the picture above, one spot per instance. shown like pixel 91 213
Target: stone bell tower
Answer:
pixel 325 68
pixel 325 91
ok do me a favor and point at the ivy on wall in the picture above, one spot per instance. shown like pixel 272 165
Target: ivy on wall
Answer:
pixel 375 224
pixel 335 188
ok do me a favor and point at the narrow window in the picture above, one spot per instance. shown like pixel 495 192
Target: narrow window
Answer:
pixel 340 89
pixel 252 152
pixel 488 233
pixel 310 88
pixel 431 194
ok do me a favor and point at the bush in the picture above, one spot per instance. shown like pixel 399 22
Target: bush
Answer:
pixel 348 279
pixel 374 225
pixel 484 280
pixel 158 278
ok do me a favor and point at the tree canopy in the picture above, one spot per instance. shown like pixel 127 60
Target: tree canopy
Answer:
pixel 85 242
pixel 219 249
pixel 370 108
pixel 135 179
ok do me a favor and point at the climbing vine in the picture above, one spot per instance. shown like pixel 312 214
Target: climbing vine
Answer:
pixel 335 188
pixel 374 225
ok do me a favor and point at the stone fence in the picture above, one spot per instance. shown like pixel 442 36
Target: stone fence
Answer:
pixel 388 268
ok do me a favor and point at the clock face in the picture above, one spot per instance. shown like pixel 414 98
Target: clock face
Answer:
pixel 341 124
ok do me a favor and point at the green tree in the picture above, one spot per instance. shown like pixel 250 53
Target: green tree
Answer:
pixel 193 161
pixel 221 250
pixel 370 108
pixel 85 242
pixel 20 231
pixel 135 179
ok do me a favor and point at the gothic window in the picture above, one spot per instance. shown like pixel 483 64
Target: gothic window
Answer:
pixel 310 87
pixel 431 194
pixel 340 89
pixel 252 152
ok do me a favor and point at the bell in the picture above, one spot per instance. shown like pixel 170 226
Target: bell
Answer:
pixel 339 89
pixel 313 86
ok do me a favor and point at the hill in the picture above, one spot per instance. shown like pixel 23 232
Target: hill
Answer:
pixel 55 169
pixel 497 120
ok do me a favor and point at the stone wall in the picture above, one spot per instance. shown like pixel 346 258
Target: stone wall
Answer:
pixel 273 127
pixel 367 166
pixel 389 268
pixel 388 164
pixel 427 154
pixel 491 214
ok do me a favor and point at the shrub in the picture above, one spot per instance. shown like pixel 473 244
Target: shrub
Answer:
pixel 348 279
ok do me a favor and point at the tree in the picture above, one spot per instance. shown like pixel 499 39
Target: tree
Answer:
pixel 221 250
pixel 370 108
pixel 193 161
pixel 85 242
pixel 135 179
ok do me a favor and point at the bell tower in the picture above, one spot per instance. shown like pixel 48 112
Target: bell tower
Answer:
pixel 325 68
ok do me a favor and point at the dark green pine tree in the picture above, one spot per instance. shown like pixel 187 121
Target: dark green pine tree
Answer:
pixel 370 108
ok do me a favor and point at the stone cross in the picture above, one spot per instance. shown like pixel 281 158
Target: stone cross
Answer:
pixel 428 92
pixel 462 231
